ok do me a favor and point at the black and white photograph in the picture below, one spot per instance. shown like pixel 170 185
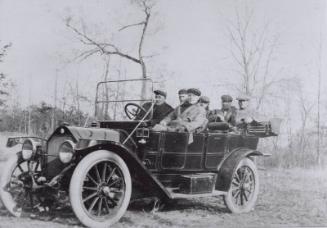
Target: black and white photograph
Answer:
pixel 163 113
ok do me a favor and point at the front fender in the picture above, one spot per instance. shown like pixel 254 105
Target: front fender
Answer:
pixel 14 145
pixel 228 166
pixel 141 177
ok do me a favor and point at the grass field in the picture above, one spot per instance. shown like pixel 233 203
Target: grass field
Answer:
pixel 287 198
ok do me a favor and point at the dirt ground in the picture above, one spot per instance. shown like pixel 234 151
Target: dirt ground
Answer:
pixel 287 198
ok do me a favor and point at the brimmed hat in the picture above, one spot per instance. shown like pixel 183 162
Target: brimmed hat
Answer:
pixel 226 98
pixel 204 99
pixel 182 91
pixel 160 92
pixel 194 91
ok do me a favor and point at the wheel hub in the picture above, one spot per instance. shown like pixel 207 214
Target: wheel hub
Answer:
pixel 108 192
pixel 105 190
pixel 246 186
pixel 25 180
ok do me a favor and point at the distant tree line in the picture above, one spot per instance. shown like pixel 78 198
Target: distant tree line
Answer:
pixel 37 119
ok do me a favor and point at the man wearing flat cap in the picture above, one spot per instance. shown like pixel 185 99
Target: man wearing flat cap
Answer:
pixel 245 115
pixel 227 113
pixel 160 109
pixel 204 102
pixel 188 116
pixel 182 95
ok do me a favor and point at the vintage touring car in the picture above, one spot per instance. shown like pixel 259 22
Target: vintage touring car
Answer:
pixel 119 159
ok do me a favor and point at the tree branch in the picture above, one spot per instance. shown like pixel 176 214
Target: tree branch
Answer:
pixel 145 25
pixel 101 46
pixel 131 25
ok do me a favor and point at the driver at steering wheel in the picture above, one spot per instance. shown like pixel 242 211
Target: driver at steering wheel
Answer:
pixel 160 109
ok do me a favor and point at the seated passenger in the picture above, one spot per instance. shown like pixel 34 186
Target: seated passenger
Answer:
pixel 204 101
pixel 243 113
pixel 188 116
pixel 160 109
pixel 182 95
pixel 226 114
pixel 246 115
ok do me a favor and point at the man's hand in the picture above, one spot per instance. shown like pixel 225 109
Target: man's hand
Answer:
pixel 248 120
pixel 159 127
pixel 180 129
pixel 219 118
pixel 163 123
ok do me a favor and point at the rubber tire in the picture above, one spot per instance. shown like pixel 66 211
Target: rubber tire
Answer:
pixel 228 198
pixel 5 196
pixel 76 182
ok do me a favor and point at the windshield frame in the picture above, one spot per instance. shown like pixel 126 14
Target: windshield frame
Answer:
pixel 97 101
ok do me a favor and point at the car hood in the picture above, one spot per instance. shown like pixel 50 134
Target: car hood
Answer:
pixel 93 133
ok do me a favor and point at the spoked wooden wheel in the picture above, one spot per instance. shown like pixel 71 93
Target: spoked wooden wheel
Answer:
pixel 100 189
pixel 244 189
pixel 16 191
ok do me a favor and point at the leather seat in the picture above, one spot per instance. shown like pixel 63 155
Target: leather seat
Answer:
pixel 218 126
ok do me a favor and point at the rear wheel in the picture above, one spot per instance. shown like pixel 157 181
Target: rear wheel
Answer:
pixel 244 189
pixel 100 189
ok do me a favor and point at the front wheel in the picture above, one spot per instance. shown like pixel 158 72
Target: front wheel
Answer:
pixel 100 189
pixel 244 189
pixel 16 185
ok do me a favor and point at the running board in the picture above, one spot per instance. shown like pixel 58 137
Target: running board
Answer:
pixel 175 195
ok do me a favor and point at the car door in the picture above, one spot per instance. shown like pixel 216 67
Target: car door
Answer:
pixel 173 154
pixel 216 147
pixel 195 152
pixel 150 152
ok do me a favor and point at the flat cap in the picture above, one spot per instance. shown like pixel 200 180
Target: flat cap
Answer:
pixel 243 98
pixel 160 92
pixel 226 98
pixel 204 99
pixel 182 91
pixel 194 91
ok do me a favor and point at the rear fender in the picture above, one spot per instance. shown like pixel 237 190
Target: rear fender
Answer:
pixel 143 180
pixel 229 164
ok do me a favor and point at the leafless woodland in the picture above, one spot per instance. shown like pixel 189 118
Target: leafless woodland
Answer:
pixel 254 48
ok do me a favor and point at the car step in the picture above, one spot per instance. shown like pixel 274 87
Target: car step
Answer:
pixel 176 195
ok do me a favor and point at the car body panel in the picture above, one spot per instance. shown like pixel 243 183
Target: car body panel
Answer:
pixel 172 151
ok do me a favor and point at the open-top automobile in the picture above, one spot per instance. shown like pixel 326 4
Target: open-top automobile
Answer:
pixel 119 158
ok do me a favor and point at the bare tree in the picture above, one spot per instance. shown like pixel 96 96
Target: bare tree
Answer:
pixel 306 107
pixel 319 65
pixel 4 83
pixel 3 51
pixel 109 48
pixel 253 50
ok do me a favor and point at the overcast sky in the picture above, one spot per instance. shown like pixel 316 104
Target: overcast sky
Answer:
pixel 191 42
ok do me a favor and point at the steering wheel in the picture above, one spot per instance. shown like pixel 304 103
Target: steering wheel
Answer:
pixel 133 110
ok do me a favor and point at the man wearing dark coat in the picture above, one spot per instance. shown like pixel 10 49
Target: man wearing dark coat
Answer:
pixel 160 109
pixel 226 114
